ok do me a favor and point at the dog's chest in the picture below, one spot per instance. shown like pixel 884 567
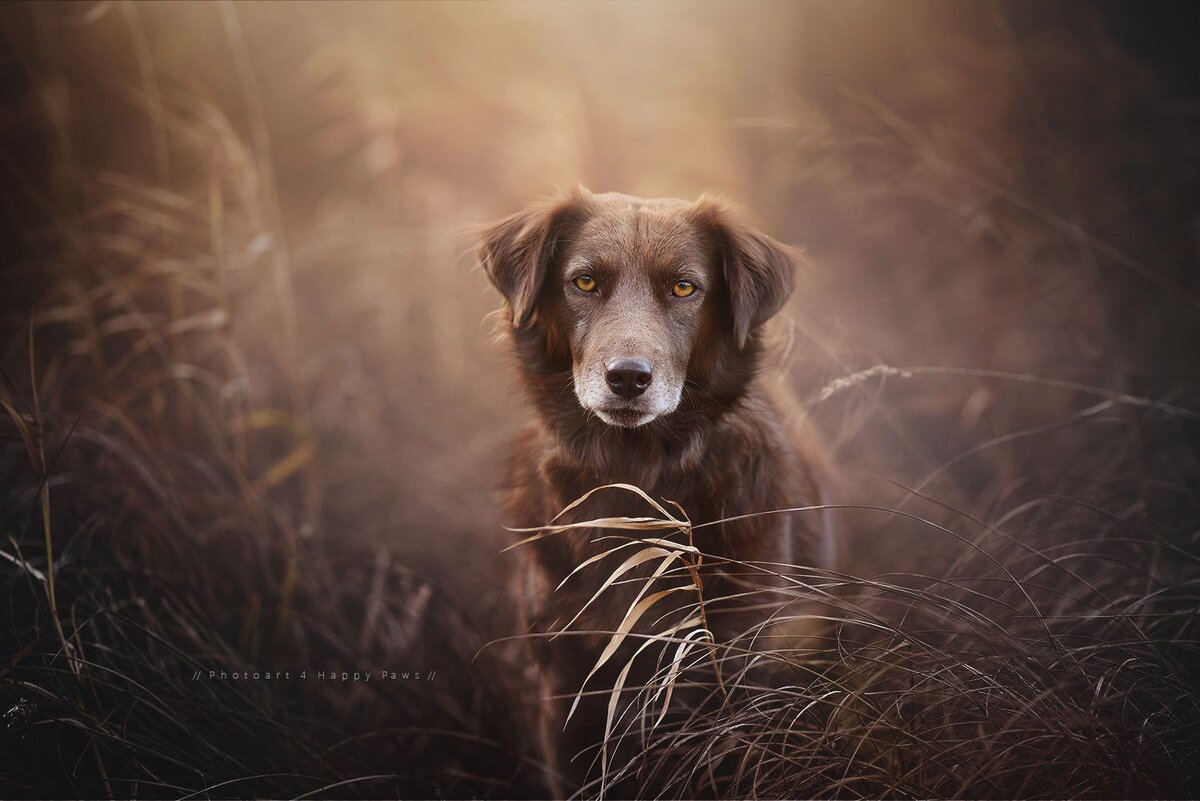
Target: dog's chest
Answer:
pixel 705 501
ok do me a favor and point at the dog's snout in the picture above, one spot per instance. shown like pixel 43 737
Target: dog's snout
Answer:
pixel 629 377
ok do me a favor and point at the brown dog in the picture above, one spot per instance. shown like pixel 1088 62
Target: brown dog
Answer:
pixel 636 325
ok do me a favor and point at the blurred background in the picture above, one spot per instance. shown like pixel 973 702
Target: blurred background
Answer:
pixel 254 387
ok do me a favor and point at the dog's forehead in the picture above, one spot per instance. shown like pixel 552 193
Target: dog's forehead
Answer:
pixel 626 231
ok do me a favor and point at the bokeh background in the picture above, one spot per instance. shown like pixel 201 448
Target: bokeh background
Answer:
pixel 253 382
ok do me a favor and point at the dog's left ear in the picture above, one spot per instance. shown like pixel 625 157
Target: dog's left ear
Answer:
pixel 517 252
pixel 759 272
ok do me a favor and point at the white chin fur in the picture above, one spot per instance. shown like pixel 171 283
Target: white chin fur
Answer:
pixel 624 423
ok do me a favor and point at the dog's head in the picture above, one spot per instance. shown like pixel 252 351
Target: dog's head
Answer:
pixel 641 299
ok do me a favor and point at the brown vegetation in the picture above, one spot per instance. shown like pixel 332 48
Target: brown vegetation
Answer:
pixel 238 305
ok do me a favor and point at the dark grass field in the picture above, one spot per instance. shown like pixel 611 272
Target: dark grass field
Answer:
pixel 253 398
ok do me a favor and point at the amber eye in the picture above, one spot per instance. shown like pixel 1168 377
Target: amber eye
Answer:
pixel 585 283
pixel 683 288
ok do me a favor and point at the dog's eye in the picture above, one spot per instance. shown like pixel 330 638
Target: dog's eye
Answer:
pixel 683 288
pixel 585 283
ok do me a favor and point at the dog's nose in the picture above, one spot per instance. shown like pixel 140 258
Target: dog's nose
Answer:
pixel 629 377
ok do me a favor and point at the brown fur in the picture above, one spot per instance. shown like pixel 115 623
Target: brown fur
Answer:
pixel 729 447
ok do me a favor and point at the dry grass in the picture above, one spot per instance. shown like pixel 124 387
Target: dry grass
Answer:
pixel 250 403
pixel 1033 668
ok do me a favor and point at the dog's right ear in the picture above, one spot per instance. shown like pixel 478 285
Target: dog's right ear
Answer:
pixel 758 271
pixel 517 251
